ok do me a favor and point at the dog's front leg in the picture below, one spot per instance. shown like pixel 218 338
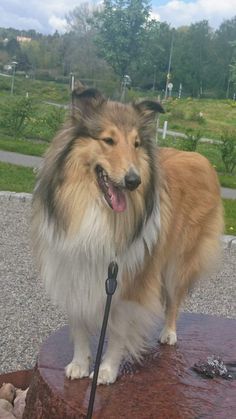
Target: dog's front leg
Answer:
pixel 79 366
pixel 109 367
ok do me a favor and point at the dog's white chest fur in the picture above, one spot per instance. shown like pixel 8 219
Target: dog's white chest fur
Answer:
pixel 75 270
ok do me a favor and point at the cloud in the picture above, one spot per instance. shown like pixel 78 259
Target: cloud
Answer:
pixel 57 24
pixel 48 16
pixel 43 16
pixel 178 12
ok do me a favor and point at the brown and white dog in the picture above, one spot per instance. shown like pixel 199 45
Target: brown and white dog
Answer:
pixel 106 192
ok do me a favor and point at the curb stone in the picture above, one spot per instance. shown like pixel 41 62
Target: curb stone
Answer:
pixel 20 196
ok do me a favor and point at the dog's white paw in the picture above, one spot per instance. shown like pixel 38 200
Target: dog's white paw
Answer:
pixel 77 370
pixel 168 336
pixel 106 375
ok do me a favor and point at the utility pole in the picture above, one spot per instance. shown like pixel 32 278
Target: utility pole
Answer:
pixel 126 82
pixel 169 64
pixel 154 78
pixel 72 81
pixel 14 63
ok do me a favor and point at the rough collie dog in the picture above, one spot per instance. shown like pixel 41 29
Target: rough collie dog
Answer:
pixel 106 192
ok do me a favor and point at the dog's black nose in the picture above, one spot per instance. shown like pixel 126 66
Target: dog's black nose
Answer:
pixel 132 180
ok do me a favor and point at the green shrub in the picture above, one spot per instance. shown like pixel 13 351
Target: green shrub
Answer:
pixel 55 119
pixel 177 113
pixel 196 116
pixel 191 141
pixel 228 151
pixel 45 122
pixel 15 112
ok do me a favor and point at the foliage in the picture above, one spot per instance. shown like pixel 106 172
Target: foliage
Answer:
pixel 14 115
pixel 23 117
pixel 192 139
pixel 197 116
pixel 224 51
pixel 217 115
pixel 45 122
pixel 177 113
pixel 55 118
pixel 128 40
pixel 228 151
pixel 192 52
pixel 121 31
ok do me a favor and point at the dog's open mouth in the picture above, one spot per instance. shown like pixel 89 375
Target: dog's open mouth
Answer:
pixel 113 193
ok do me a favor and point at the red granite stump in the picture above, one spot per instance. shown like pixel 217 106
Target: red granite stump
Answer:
pixel 164 386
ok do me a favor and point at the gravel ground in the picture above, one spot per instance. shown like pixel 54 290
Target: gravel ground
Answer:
pixel 26 315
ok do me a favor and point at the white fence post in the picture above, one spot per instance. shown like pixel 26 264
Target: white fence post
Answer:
pixel 164 130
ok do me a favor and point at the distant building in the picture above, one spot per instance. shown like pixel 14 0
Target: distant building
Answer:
pixel 22 39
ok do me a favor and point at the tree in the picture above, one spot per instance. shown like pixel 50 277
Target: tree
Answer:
pixel 121 26
pixel 13 47
pixel 191 57
pixel 80 53
pixel 224 49
pixel 80 19
pixel 155 55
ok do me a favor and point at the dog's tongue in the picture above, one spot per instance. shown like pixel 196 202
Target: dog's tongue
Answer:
pixel 117 198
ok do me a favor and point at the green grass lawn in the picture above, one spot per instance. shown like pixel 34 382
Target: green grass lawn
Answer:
pixel 38 89
pixel 218 116
pixel 22 179
pixel 28 147
pixel 16 178
pixel 227 181
pixel 230 216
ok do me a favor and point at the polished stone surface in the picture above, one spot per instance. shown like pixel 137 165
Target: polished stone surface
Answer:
pixel 164 386
pixel 20 379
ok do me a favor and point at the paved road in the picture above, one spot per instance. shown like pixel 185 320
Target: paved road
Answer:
pixel 32 161
pixel 20 159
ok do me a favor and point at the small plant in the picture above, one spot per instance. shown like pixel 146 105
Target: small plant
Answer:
pixel 191 140
pixel 44 123
pixel 177 113
pixel 15 114
pixel 55 119
pixel 228 151
pixel 196 116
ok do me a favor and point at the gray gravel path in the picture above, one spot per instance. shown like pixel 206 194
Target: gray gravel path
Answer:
pixel 26 315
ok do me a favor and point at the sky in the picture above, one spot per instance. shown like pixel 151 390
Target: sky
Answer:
pixel 48 16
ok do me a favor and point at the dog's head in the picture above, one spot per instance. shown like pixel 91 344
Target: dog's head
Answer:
pixel 115 142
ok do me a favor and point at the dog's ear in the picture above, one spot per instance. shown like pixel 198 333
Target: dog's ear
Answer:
pixel 86 100
pixel 148 109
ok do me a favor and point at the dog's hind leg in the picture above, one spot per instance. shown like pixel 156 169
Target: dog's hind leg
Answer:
pixel 168 334
pixel 79 366
pixel 176 286
pixel 181 274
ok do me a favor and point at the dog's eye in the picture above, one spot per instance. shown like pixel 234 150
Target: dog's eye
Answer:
pixel 109 141
pixel 137 144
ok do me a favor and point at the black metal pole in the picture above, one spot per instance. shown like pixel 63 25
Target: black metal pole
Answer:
pixel 111 284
